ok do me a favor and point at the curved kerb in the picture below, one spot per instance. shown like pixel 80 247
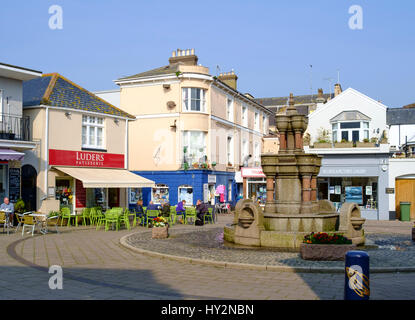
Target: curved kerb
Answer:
pixel 246 266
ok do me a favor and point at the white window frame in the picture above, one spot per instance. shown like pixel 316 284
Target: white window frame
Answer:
pixel 337 131
pixel 264 128
pixel 256 121
pixel 186 107
pixel 257 157
pixel 188 133
pixel 229 109
pixel 185 186
pixel 245 149
pixel 230 153
pixel 1 102
pixel 89 125
pixel 244 116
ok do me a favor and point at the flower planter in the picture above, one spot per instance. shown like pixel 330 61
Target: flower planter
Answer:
pixel 159 232
pixel 319 145
pixel 343 145
pixel 365 144
pixel 325 252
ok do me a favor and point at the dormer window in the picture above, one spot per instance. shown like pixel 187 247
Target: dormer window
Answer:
pixel 350 126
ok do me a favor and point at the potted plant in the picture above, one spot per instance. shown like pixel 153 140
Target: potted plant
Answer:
pixel 195 165
pixel 160 228
pixel 204 165
pixel 229 164
pixel 325 246
pixel 213 165
pixel 19 206
pixel 344 144
pixel 323 139
pixel 185 166
pixel 11 135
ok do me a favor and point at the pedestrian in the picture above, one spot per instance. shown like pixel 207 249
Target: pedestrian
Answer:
pixel 201 210
pixel 180 210
pixel 8 208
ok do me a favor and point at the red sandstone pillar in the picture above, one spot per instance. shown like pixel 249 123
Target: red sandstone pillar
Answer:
pixel 314 188
pixel 283 141
pixel 244 187
pixel 298 140
pixel 306 188
pixel 270 189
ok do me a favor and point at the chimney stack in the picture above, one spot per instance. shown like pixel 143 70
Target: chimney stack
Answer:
pixel 337 89
pixel 186 57
pixel 320 97
pixel 229 78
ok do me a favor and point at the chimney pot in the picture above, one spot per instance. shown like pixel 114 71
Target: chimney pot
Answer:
pixel 192 51
pixel 173 54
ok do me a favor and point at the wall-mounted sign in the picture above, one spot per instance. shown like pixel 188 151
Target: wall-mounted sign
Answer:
pixel 211 178
pixel 14 184
pixel 252 173
pixel 390 190
pixel 85 159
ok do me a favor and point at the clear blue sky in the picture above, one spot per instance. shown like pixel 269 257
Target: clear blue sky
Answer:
pixel 269 44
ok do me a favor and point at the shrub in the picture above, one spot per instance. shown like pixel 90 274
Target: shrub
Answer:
pixel 19 206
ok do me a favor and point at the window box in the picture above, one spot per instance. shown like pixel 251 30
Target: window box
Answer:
pixel 322 145
pixel 348 144
pixel 365 144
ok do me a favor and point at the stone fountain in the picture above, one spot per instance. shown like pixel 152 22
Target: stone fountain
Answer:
pixel 292 209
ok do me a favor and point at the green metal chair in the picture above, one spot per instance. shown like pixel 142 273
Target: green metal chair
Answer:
pixel 190 213
pixel 66 214
pixel 151 214
pixel 208 216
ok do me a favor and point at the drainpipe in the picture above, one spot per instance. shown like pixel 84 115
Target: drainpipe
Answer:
pixel 46 156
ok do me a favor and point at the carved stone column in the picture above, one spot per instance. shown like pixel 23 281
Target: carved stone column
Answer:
pixel 313 188
pixel 306 188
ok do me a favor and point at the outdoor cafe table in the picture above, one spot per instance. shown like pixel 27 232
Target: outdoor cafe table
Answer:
pixel 41 220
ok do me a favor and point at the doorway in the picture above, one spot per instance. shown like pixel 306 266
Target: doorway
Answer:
pixel 29 189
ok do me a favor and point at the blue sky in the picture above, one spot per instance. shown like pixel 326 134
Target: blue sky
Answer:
pixel 269 44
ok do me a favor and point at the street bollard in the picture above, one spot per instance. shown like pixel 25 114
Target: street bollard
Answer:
pixel 356 280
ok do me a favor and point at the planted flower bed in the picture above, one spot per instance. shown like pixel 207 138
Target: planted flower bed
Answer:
pixel 324 246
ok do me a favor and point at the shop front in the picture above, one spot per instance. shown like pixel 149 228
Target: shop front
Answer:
pixel 10 174
pixel 252 184
pixel 362 179
pixel 80 179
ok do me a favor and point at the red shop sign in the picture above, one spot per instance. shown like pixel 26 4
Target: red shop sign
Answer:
pixel 85 159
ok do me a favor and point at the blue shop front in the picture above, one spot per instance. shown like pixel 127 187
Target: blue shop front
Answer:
pixel 173 186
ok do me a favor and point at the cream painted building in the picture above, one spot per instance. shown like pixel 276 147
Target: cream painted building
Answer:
pixel 193 131
pixel 81 158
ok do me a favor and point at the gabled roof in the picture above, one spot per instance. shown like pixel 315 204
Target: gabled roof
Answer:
pixel 281 101
pixel 345 92
pixel 169 69
pixel 55 90
pixel 350 115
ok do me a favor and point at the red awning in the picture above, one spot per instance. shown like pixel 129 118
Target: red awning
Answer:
pixel 252 172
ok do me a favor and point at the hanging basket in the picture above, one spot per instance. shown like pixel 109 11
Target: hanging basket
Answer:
pixel 160 232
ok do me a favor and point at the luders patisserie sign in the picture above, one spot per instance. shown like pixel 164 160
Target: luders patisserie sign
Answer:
pixel 85 159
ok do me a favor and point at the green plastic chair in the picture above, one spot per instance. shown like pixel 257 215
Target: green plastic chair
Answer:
pixel 208 216
pixel 111 218
pixel 172 215
pixel 66 214
pixel 151 214
pixel 124 218
pixel 190 213
pixel 100 218
pixel 86 216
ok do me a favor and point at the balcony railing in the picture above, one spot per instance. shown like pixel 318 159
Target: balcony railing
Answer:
pixel 14 127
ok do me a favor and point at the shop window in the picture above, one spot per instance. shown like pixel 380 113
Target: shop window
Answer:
pixel 194 99
pixel 96 197
pixel 64 192
pixel 186 193
pixel 92 132
pixel 3 181
pixel 160 194
pixel 134 195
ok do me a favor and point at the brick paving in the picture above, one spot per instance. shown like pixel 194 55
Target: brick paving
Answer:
pixel 96 266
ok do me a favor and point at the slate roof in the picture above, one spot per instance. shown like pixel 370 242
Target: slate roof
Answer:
pixel 280 101
pixel 55 90
pixel 169 69
pixel 395 116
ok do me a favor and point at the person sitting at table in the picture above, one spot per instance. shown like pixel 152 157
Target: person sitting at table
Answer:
pixel 139 211
pixel 201 210
pixel 152 206
pixel 180 210
pixel 165 210
pixel 8 207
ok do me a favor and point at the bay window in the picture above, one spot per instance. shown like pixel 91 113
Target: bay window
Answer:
pixel 350 131
pixel 194 99
pixel 92 132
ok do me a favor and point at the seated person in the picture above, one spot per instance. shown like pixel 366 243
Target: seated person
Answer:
pixel 152 206
pixel 201 210
pixel 180 210
pixel 165 210
pixel 8 207
pixel 139 210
